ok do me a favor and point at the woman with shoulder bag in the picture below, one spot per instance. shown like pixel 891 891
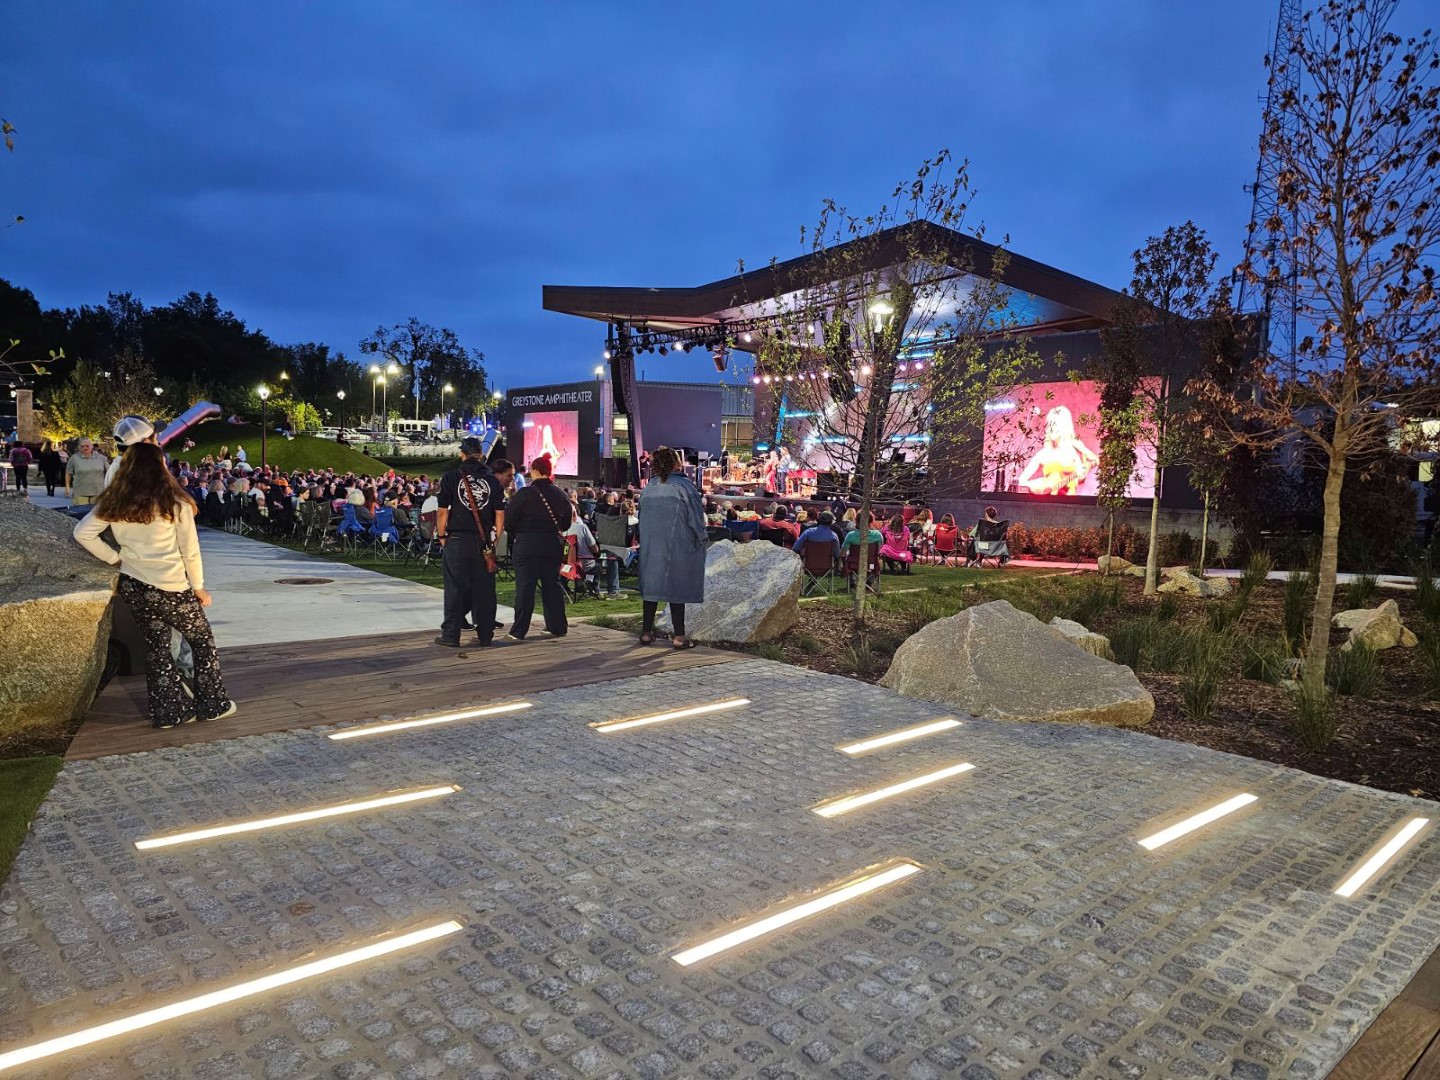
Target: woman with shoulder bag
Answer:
pixel 535 518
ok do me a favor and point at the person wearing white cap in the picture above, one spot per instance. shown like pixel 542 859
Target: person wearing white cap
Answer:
pixel 129 431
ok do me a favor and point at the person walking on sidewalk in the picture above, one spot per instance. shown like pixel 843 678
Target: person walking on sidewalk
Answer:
pixel 672 547
pixel 470 510
pixel 536 517
pixel 20 458
pixel 153 520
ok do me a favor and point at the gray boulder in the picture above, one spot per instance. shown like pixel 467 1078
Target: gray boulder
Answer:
pixel 1114 564
pixel 1182 581
pixel 55 609
pixel 752 593
pixel 1077 634
pixel 1376 628
pixel 994 661
pixel 1353 617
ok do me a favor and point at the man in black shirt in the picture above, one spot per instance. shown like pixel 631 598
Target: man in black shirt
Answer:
pixel 468 495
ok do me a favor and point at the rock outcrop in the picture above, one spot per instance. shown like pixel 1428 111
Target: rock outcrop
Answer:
pixel 994 661
pixel 55 610
pixel 1076 633
pixel 752 593
pixel 1376 628
pixel 1182 580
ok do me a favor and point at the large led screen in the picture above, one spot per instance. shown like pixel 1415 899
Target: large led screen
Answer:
pixel 1043 440
pixel 556 434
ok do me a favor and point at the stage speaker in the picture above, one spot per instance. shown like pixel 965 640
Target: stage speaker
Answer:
pixel 614 472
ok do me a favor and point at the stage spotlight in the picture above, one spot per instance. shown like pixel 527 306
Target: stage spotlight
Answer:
pixel 606 354
pixel 745 336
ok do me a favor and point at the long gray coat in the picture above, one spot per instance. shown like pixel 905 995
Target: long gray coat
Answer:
pixel 672 542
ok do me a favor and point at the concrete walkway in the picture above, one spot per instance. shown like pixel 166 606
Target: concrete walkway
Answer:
pixel 1038 940
pixel 251 608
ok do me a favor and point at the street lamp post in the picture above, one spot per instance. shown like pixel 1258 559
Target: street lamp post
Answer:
pixel 391 370
pixel 264 393
pixel 446 389
pixel 341 395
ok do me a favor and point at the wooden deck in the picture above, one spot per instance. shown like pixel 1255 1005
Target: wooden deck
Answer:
pixel 303 684
pixel 1404 1041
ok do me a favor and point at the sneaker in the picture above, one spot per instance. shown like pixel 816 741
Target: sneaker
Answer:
pixel 515 637
pixel 229 709
pixel 174 723
pixel 447 643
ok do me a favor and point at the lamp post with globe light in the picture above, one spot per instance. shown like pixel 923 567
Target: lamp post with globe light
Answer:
pixel 341 395
pixel 264 393
pixel 375 379
pixel 446 389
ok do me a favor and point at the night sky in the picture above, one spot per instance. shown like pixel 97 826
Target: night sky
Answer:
pixel 324 167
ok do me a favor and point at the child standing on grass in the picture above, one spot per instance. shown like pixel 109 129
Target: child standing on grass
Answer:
pixel 153 520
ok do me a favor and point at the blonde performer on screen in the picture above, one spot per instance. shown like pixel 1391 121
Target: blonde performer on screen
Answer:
pixel 548 447
pixel 1061 465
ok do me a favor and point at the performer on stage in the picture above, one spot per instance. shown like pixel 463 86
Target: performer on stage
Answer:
pixel 1063 463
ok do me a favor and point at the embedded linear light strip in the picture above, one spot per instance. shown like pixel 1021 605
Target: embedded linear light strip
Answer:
pixel 854 802
pixel 426 721
pixel 1198 821
pixel 902 735
pixel 1378 862
pixel 338 810
pixel 659 718
pixel 139 1021
pixel 824 902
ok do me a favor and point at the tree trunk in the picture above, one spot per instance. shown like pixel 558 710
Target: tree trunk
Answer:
pixel 1204 533
pixel 1110 541
pixel 1319 647
pixel 1152 559
pixel 866 501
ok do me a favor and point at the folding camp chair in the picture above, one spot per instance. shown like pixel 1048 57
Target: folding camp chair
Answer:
pixel 990 543
pixel 817 557
pixel 872 569
pixel 949 546
pixel 421 545
pixel 742 532
pixel 384 533
pixel 350 532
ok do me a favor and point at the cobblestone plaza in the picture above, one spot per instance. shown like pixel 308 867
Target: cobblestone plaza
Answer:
pixel 1040 940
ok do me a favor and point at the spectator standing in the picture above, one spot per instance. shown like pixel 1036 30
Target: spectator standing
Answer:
pixel 470 510
pixel 536 517
pixel 20 458
pixel 85 474
pixel 52 467
pixel 672 546
pixel 162 581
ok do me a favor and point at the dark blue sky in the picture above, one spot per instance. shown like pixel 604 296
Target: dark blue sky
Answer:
pixel 324 167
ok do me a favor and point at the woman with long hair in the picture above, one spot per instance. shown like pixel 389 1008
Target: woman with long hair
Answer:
pixel 896 547
pixel 153 520
pixel 672 546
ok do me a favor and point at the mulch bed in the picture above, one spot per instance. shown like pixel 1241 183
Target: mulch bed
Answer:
pixel 1390 741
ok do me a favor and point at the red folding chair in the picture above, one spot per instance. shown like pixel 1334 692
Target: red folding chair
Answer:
pixel 872 569
pixel 949 547
pixel 818 560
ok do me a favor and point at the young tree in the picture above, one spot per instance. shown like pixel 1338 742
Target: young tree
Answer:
pixel 1117 372
pixel 1359 149
pixel 891 345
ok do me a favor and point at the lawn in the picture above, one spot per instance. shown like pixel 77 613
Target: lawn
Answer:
pixel 24 783
pixel 301 452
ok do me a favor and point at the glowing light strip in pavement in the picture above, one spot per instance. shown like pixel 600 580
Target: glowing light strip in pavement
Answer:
pixel 854 802
pixel 426 721
pixel 607 726
pixel 188 1007
pixel 1377 863
pixel 824 902
pixel 903 735
pixel 1198 821
pixel 338 810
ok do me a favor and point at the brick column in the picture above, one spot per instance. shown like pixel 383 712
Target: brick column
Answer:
pixel 25 416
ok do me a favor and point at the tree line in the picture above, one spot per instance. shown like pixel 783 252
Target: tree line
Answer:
pixel 93 363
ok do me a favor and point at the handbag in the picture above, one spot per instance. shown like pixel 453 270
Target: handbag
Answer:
pixel 487 550
pixel 569 571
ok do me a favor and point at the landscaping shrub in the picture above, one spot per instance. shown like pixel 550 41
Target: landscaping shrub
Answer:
pixel 1127 639
pixel 1313 717
pixel 1168 607
pixel 1257 571
pixel 605 622
pixel 1090 601
pixel 1299 585
pixel 863 659
pixel 1427 589
pixel 1353 672
pixel 807 644
pixel 1223 614
pixel 1206 656
pixel 1061 542
pixel 1264 660
pixel 1165 649
pixel 1360 591
pixel 1430 650
pixel 769 651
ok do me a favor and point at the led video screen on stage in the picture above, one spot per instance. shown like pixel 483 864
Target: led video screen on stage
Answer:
pixel 556 434
pixel 1043 440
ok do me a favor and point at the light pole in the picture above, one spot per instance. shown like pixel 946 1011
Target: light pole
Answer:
pixel 446 389
pixel 374 382
pixel 391 369
pixel 159 390
pixel 341 395
pixel 264 393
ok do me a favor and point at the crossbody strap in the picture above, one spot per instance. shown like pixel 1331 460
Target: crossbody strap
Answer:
pixel 475 512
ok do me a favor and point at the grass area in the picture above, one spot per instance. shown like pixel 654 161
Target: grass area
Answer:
pixel 301 452
pixel 24 783
pixel 505 590
pixel 944 585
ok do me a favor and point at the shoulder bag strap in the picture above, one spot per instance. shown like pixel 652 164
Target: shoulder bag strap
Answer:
pixel 475 513
pixel 549 510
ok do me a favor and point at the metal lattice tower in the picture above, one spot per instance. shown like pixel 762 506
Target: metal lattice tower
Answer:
pixel 1264 245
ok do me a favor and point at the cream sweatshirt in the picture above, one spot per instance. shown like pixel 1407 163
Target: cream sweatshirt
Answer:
pixel 165 554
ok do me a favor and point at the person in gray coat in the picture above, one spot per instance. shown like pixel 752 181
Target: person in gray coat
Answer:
pixel 672 546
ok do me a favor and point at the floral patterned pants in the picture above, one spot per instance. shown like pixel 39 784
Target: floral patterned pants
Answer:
pixel 158 612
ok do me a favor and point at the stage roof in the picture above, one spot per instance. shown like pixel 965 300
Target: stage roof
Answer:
pixel 1044 299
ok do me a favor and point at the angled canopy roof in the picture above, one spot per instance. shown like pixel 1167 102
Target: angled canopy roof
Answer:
pixel 1044 299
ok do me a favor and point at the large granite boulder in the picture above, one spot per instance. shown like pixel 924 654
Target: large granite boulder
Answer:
pixel 1114 564
pixel 55 611
pixel 994 661
pixel 1077 634
pixel 1183 581
pixel 1376 628
pixel 752 593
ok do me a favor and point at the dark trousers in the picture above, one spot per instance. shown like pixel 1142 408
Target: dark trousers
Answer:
pixel 22 477
pixel 158 612
pixel 537 562
pixel 469 587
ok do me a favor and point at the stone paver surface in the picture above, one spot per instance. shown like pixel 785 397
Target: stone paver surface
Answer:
pixel 1040 942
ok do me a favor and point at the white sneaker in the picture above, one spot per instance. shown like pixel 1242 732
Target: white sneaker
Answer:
pixel 230 710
